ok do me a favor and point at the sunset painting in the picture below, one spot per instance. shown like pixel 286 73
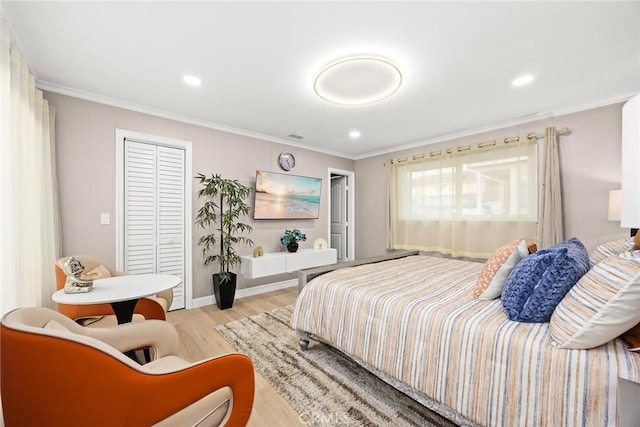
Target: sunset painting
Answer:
pixel 283 196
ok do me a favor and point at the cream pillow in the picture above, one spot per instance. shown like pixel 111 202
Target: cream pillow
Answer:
pixel 601 306
pixel 497 268
pixel 100 272
pixel 607 249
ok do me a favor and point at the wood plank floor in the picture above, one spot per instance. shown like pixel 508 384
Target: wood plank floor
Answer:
pixel 200 341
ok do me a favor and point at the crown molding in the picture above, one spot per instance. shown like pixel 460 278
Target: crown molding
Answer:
pixel 119 103
pixel 114 102
pixel 496 126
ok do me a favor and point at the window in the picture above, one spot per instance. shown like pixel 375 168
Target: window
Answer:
pixel 469 188
pixel 465 203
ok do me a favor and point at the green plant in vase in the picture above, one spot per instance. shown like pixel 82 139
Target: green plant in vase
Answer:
pixel 221 214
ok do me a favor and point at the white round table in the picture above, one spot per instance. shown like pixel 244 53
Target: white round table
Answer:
pixel 122 292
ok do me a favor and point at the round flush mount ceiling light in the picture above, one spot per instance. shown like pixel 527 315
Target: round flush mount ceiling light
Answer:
pixel 357 81
pixel 354 134
pixel 522 80
pixel 192 80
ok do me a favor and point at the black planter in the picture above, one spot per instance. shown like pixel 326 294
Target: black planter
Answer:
pixel 292 247
pixel 226 292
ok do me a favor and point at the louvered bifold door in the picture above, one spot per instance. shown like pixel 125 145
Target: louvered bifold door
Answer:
pixel 154 216
pixel 171 217
pixel 141 222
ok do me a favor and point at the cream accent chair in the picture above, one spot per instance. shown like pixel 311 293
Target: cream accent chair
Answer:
pixel 101 315
pixel 55 372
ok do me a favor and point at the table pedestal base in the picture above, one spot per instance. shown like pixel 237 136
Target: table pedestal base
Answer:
pixel 124 314
pixel 124 310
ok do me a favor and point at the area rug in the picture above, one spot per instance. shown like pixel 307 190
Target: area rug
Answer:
pixel 321 384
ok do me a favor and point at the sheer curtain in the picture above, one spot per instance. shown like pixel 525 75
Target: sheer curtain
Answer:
pixel 465 202
pixel 29 221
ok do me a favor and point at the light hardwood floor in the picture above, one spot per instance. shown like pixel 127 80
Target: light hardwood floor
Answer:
pixel 200 341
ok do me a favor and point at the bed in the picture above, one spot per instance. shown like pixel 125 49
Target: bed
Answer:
pixel 414 321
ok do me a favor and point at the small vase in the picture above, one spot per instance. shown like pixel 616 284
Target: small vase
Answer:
pixel 292 247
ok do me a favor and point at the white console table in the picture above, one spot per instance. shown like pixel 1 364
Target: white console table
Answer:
pixel 286 262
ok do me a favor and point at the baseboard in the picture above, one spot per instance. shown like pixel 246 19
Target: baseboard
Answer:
pixel 247 292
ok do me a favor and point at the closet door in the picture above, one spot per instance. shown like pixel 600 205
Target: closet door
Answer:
pixel 154 212
pixel 140 195
pixel 171 217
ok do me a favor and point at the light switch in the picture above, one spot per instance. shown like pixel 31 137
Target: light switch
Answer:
pixel 105 219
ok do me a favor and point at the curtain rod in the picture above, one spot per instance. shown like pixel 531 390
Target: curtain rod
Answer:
pixel 460 148
pixel 562 131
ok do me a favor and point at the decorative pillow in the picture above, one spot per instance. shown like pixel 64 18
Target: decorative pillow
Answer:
pixel 99 272
pixel 497 268
pixel 539 282
pixel 632 337
pixel 602 305
pixel 610 248
pixel 637 240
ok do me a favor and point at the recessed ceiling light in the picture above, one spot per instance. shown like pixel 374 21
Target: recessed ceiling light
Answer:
pixel 192 80
pixel 357 81
pixel 522 80
pixel 354 134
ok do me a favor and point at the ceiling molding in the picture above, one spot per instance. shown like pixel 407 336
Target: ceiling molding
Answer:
pixel 114 102
pixel 501 125
pixel 118 103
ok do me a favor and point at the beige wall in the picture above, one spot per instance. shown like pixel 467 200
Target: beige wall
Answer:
pixel 85 138
pixel 590 162
pixel 590 166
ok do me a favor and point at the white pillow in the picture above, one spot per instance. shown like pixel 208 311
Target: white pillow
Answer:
pixel 497 268
pixel 601 306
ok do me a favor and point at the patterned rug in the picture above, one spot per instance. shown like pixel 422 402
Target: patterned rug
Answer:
pixel 321 384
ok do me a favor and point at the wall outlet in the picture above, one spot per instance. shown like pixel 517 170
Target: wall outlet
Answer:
pixel 105 219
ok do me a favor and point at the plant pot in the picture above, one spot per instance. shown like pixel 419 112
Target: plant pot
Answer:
pixel 225 292
pixel 292 247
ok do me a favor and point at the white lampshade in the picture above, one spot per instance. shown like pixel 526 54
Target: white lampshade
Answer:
pixel 615 199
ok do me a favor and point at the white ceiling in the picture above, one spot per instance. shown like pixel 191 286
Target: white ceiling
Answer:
pixel 258 61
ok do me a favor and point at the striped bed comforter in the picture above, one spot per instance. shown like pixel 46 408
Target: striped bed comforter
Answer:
pixel 415 320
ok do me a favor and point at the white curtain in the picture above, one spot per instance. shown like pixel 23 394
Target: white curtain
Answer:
pixel 550 229
pixel 466 202
pixel 29 221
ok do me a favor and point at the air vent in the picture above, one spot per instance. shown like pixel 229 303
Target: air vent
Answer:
pixel 294 136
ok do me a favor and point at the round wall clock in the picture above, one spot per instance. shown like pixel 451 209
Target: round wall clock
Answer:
pixel 287 161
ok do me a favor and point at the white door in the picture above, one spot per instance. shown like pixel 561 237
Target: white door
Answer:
pixel 155 212
pixel 339 217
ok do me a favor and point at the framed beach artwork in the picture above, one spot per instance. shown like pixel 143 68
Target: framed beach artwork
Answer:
pixel 286 196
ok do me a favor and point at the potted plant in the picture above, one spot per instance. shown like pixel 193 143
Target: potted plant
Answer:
pixel 221 214
pixel 291 239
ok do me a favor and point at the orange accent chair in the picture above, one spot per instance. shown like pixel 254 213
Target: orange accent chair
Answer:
pixel 55 372
pixel 101 315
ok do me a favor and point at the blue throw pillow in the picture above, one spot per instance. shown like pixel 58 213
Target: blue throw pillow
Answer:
pixel 538 283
